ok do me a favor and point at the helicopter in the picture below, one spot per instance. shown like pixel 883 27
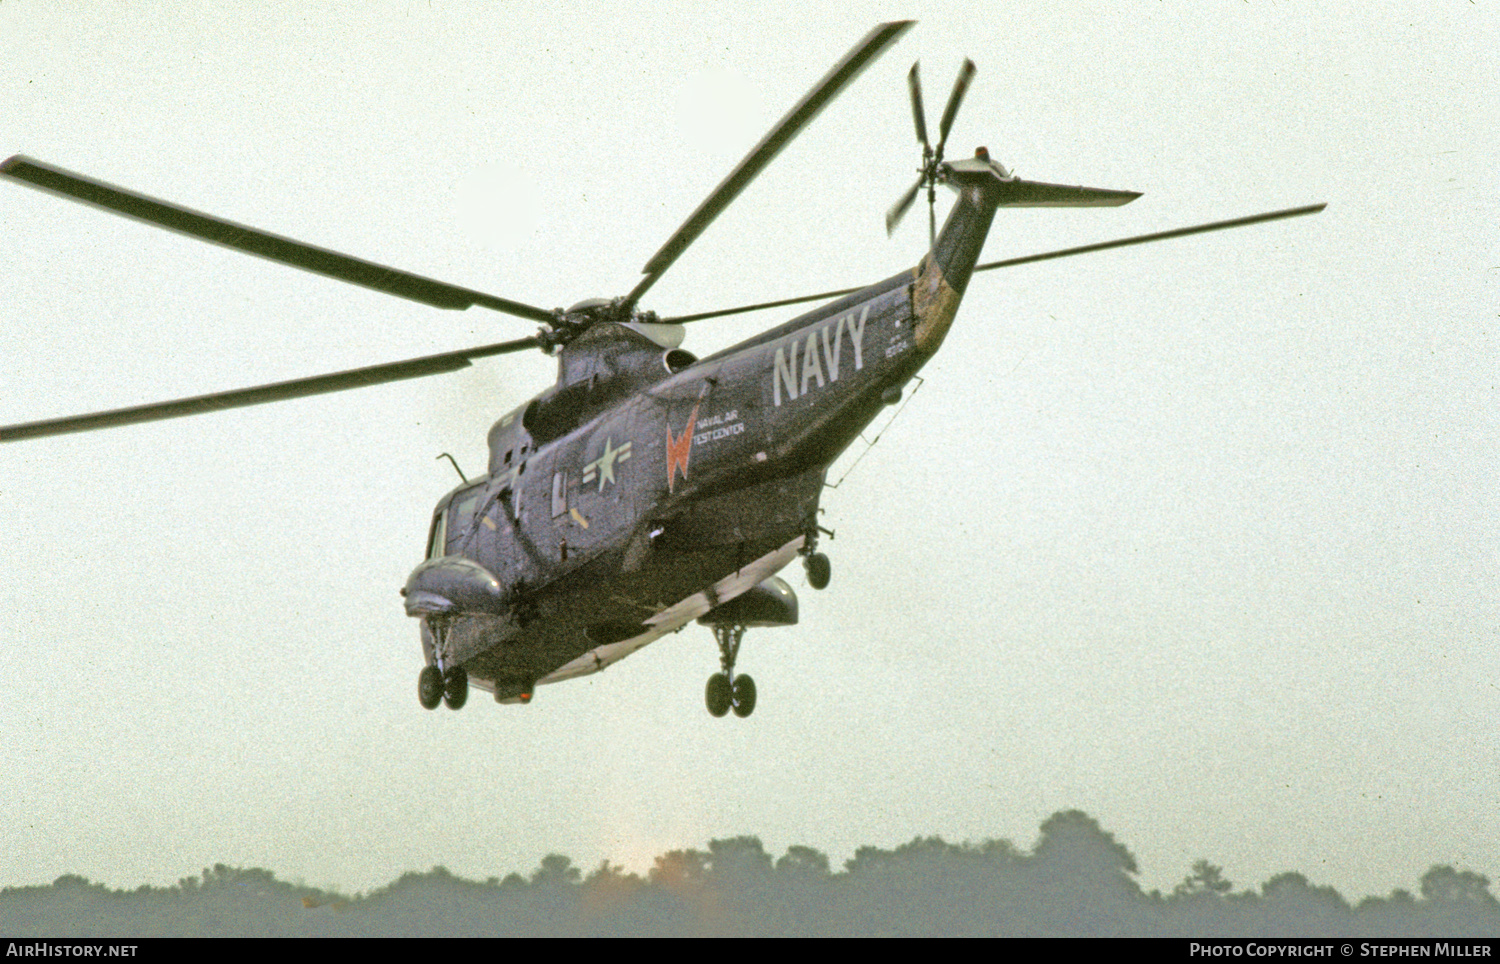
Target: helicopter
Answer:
pixel 647 487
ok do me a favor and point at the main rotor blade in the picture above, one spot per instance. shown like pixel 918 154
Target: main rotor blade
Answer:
pixel 856 60
pixel 276 392
pixel 960 87
pixel 724 312
pixel 263 244
pixel 1010 262
pixel 1157 236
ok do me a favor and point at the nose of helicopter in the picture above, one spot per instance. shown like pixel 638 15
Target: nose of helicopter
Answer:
pixel 450 584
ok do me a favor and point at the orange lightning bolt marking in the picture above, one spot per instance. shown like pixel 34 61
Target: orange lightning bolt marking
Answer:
pixel 679 449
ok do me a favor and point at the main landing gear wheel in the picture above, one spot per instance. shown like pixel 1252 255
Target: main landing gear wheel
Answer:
pixel 430 687
pixel 744 696
pixel 455 687
pixel 819 570
pixel 726 691
pixel 719 695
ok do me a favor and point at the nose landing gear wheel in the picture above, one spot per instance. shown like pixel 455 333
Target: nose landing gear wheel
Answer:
pixel 430 687
pixel 455 687
pixel 718 694
pixel 744 696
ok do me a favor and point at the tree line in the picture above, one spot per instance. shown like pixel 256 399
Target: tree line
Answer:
pixel 1077 880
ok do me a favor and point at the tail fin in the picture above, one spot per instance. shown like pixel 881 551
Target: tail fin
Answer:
pixel 983 186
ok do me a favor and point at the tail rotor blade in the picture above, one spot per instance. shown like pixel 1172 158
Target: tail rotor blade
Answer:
pixel 914 85
pixel 898 210
pixel 960 87
pixel 931 218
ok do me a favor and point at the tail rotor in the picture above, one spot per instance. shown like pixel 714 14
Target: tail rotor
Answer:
pixel 932 158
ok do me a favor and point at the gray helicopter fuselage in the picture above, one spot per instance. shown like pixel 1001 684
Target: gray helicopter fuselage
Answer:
pixel 632 498
pixel 646 488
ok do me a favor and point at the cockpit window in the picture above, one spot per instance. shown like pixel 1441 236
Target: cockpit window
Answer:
pixel 460 516
pixel 438 537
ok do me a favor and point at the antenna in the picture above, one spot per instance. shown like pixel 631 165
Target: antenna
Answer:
pixel 450 458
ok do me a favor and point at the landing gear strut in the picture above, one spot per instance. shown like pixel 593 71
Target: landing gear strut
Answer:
pixel 441 681
pixel 725 690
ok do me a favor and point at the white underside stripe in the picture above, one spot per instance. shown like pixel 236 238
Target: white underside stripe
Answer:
pixel 678 615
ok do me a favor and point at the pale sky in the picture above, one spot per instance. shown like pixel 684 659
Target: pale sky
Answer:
pixel 1199 537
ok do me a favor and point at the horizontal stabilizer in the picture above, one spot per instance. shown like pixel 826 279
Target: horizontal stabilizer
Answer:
pixel 1035 194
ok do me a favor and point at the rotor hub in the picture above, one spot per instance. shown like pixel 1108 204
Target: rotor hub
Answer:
pixel 568 323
